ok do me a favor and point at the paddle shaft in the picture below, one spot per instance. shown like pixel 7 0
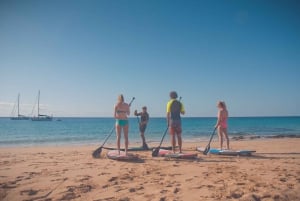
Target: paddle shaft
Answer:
pixel 211 137
pixel 207 148
pixel 162 139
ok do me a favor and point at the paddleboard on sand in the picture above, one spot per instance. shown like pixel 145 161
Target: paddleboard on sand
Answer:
pixel 170 154
pixel 114 154
pixel 136 148
pixel 227 152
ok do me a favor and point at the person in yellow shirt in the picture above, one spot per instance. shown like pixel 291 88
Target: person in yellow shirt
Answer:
pixel 174 109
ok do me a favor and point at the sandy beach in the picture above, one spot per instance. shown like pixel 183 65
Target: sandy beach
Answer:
pixel 70 173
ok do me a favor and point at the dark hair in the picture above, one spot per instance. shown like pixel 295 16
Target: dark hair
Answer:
pixel 173 94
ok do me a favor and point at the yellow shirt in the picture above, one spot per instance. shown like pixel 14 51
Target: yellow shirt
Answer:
pixel 170 103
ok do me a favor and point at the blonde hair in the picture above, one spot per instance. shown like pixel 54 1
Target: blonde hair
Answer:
pixel 222 104
pixel 121 98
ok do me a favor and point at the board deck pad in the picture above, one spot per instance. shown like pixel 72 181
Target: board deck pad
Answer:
pixel 114 154
pixel 170 154
pixel 227 152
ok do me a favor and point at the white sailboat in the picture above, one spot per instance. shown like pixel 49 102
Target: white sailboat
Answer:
pixel 19 116
pixel 41 117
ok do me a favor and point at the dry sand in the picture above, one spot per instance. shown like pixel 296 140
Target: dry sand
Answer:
pixel 70 173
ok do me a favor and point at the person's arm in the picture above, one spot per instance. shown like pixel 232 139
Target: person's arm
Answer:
pixel 115 111
pixel 182 110
pixel 219 119
pixel 168 112
pixel 128 110
pixel 137 114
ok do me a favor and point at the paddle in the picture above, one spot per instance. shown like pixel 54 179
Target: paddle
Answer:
pixel 156 150
pixel 97 152
pixel 207 148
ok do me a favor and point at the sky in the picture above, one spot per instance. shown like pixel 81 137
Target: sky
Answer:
pixel 82 54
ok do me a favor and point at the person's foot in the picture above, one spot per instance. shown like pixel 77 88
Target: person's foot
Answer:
pixel 145 146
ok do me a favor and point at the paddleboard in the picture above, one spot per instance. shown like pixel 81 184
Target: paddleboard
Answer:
pixel 170 154
pixel 227 152
pixel 136 148
pixel 114 154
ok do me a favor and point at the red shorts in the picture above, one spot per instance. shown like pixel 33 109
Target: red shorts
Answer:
pixel 175 130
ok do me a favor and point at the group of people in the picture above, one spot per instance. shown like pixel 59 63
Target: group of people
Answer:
pixel 174 111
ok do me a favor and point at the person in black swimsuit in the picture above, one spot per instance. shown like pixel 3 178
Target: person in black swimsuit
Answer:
pixel 143 124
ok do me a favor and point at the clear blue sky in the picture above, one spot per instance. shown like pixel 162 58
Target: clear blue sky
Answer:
pixel 82 54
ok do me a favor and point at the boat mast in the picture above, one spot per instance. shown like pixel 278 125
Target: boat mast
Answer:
pixel 18 104
pixel 39 103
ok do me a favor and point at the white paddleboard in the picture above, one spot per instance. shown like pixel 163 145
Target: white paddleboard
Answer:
pixel 115 155
pixel 170 154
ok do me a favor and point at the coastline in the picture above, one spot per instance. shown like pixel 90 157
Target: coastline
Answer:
pixel 70 173
pixel 136 141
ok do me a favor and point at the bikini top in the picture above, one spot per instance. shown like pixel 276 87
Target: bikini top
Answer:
pixel 120 111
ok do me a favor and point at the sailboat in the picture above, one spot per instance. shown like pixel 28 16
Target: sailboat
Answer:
pixel 19 117
pixel 41 117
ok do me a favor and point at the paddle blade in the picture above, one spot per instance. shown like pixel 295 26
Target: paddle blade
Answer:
pixel 155 152
pixel 206 150
pixel 97 153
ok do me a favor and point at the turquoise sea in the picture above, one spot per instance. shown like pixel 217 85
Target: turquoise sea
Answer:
pixel 87 131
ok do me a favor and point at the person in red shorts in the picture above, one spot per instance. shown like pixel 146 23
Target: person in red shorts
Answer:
pixel 174 109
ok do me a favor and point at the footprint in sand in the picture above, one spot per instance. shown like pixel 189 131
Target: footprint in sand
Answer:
pixel 162 199
pixel 85 178
pixel 236 194
pixel 113 179
pixel 176 190
pixel 10 184
pixel 29 192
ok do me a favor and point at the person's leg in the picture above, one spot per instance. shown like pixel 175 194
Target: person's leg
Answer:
pixel 226 137
pixel 118 132
pixel 179 142
pixel 125 130
pixel 142 133
pixel 143 138
pixel 220 137
pixel 179 131
pixel 173 139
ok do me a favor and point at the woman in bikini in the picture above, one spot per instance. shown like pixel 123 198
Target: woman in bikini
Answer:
pixel 121 112
pixel 221 124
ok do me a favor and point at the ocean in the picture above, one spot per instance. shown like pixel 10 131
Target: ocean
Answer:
pixel 93 131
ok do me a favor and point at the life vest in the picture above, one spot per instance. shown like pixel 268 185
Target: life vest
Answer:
pixel 175 110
